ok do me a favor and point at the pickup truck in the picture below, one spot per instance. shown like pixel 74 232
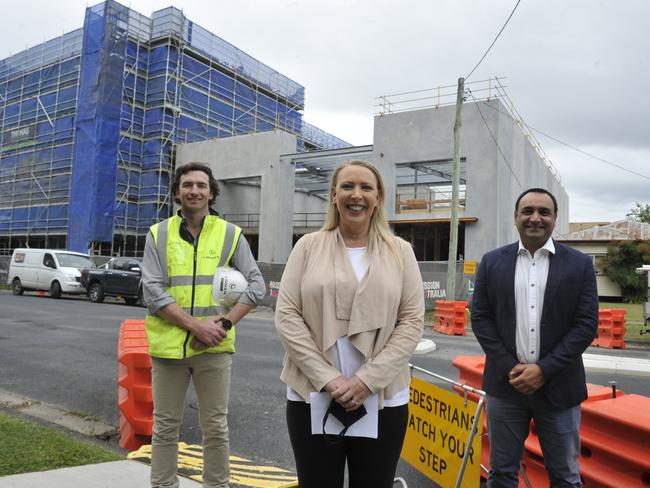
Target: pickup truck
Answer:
pixel 120 277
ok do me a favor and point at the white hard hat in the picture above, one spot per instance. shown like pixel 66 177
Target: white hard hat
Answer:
pixel 227 286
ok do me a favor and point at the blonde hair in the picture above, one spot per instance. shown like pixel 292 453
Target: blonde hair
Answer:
pixel 379 228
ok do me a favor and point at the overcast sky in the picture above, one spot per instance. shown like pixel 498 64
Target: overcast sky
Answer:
pixel 577 70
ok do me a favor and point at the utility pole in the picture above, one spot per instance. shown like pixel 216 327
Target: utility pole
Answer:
pixel 455 183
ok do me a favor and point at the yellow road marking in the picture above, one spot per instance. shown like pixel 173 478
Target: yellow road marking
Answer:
pixel 190 465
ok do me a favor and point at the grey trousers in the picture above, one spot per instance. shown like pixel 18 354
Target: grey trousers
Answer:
pixel 210 374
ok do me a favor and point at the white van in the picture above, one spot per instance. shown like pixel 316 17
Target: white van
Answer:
pixel 54 270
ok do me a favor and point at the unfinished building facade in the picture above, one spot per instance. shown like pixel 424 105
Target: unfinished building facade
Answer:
pixel 90 122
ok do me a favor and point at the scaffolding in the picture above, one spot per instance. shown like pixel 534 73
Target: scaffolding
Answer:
pixel 38 99
pixel 89 122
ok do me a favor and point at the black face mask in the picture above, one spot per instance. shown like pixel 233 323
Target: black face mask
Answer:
pixel 337 411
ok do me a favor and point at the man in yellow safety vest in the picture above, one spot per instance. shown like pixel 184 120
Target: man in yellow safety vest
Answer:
pixel 188 336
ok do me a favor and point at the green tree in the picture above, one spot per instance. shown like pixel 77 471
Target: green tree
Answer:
pixel 640 213
pixel 620 266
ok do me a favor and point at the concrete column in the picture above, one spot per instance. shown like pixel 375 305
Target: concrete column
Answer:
pixel 276 212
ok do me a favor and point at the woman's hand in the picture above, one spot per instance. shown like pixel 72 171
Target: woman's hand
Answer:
pixel 350 393
pixel 335 383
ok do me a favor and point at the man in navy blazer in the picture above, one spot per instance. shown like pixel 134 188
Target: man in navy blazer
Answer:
pixel 534 312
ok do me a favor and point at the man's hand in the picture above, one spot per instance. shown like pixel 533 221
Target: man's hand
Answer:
pixel 526 378
pixel 197 345
pixel 350 393
pixel 208 333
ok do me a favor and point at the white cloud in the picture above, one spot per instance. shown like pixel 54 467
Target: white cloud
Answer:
pixel 577 70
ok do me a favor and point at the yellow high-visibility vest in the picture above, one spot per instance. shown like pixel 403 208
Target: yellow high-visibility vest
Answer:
pixel 187 276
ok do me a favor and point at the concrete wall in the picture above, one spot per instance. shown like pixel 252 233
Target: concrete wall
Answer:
pixel 238 198
pixel 492 183
pixel 302 202
pixel 246 156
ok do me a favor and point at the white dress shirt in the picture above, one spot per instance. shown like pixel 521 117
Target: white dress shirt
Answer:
pixel 531 273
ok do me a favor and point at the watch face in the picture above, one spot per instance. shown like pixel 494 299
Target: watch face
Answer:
pixel 227 324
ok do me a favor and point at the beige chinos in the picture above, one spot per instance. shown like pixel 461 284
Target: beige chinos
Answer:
pixel 210 373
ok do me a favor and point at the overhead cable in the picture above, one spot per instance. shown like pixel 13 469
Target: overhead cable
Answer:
pixel 495 40
pixel 623 168
pixel 589 154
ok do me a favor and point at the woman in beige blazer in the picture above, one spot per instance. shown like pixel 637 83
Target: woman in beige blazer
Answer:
pixel 350 313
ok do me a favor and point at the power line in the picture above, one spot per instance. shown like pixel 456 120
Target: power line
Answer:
pixel 495 141
pixel 589 154
pixel 495 40
pixel 623 168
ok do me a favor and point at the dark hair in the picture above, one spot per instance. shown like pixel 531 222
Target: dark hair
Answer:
pixel 536 190
pixel 181 170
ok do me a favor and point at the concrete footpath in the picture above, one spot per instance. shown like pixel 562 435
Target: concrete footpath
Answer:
pixel 116 474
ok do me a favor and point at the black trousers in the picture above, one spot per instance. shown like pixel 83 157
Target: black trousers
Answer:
pixel 320 462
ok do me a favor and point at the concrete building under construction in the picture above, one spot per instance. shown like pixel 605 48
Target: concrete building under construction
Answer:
pixel 277 194
pixel 90 122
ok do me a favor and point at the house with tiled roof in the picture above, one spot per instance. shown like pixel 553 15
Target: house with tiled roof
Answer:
pixel 594 242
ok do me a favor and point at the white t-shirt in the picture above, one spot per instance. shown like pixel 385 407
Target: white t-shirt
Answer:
pixel 347 358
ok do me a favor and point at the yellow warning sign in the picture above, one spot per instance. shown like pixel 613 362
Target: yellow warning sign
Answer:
pixel 437 434
pixel 242 471
pixel 469 267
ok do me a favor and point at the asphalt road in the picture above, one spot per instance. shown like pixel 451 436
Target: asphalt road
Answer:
pixel 64 352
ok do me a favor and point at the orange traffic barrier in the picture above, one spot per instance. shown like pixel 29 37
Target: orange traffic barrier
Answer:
pixel 615 447
pixel 470 369
pixel 450 317
pixel 134 383
pixel 611 329
pixel 596 393
pixel 535 470
pixel 129 440
pixel 614 435
pixel 533 459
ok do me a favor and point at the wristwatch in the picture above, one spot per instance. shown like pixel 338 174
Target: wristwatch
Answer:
pixel 225 323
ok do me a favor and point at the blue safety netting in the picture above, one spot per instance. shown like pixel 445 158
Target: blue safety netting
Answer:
pixel 92 193
pixel 88 121
pixel 37 103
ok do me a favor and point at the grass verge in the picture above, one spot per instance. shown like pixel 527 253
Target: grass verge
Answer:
pixel 28 447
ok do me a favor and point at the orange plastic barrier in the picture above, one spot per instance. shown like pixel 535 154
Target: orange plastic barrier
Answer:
pixel 615 449
pixel 450 317
pixel 614 436
pixel 533 459
pixel 470 370
pixel 611 329
pixel 134 383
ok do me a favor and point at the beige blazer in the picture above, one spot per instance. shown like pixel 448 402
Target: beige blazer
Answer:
pixel 321 300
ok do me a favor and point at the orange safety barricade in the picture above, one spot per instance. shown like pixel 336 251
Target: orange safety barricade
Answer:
pixel 134 382
pixel 611 329
pixel 450 317
pixel 470 370
pixel 129 440
pixel 615 447
pixel 633 414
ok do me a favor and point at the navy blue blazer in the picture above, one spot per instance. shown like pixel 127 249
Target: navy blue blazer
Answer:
pixel 568 324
